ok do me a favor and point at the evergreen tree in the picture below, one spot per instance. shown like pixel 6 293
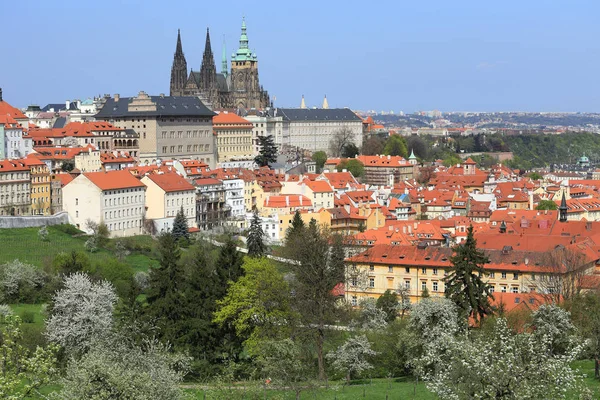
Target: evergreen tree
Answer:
pixel 295 228
pixel 256 245
pixel 180 226
pixel 465 286
pixel 165 289
pixel 229 262
pixel 268 151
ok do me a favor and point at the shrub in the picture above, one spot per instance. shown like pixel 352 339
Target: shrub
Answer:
pixel 28 317
pixel 20 282
pixel 68 229
pixel 43 234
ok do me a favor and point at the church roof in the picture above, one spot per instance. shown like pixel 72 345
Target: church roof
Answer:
pixel 222 83
pixel 318 114
pixel 165 106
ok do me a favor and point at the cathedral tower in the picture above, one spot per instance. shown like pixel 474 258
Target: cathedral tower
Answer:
pixel 178 70
pixel 208 75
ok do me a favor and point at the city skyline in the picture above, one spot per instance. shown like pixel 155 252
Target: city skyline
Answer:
pixel 401 57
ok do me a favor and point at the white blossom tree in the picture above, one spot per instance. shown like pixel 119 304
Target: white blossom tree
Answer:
pixel 82 311
pixel 371 317
pixel 117 368
pixel 15 276
pixel 351 358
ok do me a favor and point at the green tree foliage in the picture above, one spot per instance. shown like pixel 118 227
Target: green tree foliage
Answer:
pixel 352 357
pixel 23 371
pixel 281 361
pixel 585 312
pixel 257 306
pixel 395 146
pixel 229 262
pixel 350 150
pixel 355 167
pixel 547 205
pixel 372 146
pixel 180 226
pixel 320 157
pixel 319 268
pixel 418 145
pixel 255 240
pixel 451 160
pixel 69 263
pixel 296 226
pixel 388 303
pixel 535 176
pixel 465 285
pixel 267 152
pixel 67 166
pixel 165 294
pixel 118 368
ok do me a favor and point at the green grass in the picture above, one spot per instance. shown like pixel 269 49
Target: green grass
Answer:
pixel 23 244
pixel 35 309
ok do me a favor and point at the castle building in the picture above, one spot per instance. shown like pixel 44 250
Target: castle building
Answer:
pixel 238 88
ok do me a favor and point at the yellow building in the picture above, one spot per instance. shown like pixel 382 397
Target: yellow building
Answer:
pixel 234 137
pixel 41 181
pixel 323 218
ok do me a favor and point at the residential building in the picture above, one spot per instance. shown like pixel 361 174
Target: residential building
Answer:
pixel 168 127
pixel 211 209
pixel 285 204
pixel 41 193
pixel 116 198
pixel 233 136
pixel 234 196
pixel 15 113
pixel 14 143
pixel 15 187
pixel 313 129
pixel 166 194
pixel 88 161
pixel 58 181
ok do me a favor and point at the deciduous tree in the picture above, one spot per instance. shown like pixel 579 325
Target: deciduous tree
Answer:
pixel 352 357
pixel 341 138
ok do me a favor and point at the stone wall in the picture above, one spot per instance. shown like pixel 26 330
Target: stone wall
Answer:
pixel 33 220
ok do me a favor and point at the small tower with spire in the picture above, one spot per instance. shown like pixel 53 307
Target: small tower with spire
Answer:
pixel 302 104
pixel 562 209
pixel 208 74
pixel 224 59
pixel 178 70
pixel 412 159
pixel 325 103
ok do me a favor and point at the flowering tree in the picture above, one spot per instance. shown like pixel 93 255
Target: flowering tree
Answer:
pixel 352 356
pixel 82 311
pixel 371 317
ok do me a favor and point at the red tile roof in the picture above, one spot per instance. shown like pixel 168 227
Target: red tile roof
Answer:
pixel 207 181
pixel 291 200
pixel 171 182
pixel 228 119
pixel 7 109
pixel 114 180
pixel 318 186
pixel 13 165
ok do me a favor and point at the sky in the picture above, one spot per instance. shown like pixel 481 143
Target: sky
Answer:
pixel 525 55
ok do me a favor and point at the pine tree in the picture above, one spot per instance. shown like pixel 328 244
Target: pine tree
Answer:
pixel 256 245
pixel 295 228
pixel 268 151
pixel 229 263
pixel 165 294
pixel 465 285
pixel 180 226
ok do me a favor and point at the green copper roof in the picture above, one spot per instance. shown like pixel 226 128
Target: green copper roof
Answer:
pixel 224 59
pixel 243 53
pixel 412 155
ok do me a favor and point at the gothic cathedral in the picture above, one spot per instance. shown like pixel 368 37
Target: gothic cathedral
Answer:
pixel 236 89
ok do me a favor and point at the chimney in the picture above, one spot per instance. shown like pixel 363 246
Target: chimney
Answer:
pixel 67 104
pixel 117 97
pixel 1 94
pixel 287 201
pixel 531 200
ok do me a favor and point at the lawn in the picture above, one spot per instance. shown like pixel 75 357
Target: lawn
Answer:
pixel 24 244
pixel 26 311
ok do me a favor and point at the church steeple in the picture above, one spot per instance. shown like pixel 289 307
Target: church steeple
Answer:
pixel 302 104
pixel 325 103
pixel 562 210
pixel 208 74
pixel 224 59
pixel 179 69
pixel 243 53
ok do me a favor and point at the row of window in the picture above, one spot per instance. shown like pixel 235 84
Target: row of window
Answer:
pixel 178 202
pixel 14 188
pixel 515 275
pixel 190 148
pixel 125 225
pixel 6 199
pixel 120 213
pixel 118 201
pixel 14 176
pixel 180 135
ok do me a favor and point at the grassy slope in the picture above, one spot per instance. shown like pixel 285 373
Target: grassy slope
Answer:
pixel 24 244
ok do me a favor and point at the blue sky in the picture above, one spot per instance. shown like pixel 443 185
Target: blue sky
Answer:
pixel 527 55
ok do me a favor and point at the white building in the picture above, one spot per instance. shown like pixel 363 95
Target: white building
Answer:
pixel 166 194
pixel 234 196
pixel 13 142
pixel 116 198
pixel 265 124
pixel 313 129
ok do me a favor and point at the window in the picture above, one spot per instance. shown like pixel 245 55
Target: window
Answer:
pixel 435 271
pixel 371 282
pixel 424 271
pixel 354 301
pixel 492 275
pixel 503 290
pixel 516 276
pixel 514 289
pixel 390 269
pixel 407 270
pixel 371 267
pixel 533 277
pixel 504 275
pixel 76 202
pixel 76 214
pixel 423 285
pixel 407 285
pixel 435 286
pixel 354 281
pixel 491 288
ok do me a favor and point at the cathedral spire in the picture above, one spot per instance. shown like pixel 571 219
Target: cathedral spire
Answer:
pixel 208 75
pixel 179 69
pixel 224 59
pixel 325 103
pixel 562 210
pixel 302 104
pixel 244 36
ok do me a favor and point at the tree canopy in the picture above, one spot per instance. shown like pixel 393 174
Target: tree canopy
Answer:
pixel 267 152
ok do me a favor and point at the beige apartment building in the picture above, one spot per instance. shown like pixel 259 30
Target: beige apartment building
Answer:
pixel 169 127
pixel 234 137
pixel 116 198
pixel 166 194
pixel 15 183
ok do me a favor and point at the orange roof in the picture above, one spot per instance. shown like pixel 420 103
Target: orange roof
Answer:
pixel 207 181
pixel 13 165
pixel 7 109
pixel 227 118
pixel 9 122
pixel 64 178
pixel 61 153
pixel 291 200
pixel 113 180
pixel 318 186
pixel 106 158
pixel 382 161
pixel 171 182
pixel 469 161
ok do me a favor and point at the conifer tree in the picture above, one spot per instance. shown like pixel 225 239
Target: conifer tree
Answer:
pixel 465 285
pixel 295 228
pixel 229 263
pixel 256 244
pixel 180 226
pixel 268 151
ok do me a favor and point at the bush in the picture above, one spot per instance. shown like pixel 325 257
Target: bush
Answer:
pixel 28 317
pixel 68 229
pixel 20 282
